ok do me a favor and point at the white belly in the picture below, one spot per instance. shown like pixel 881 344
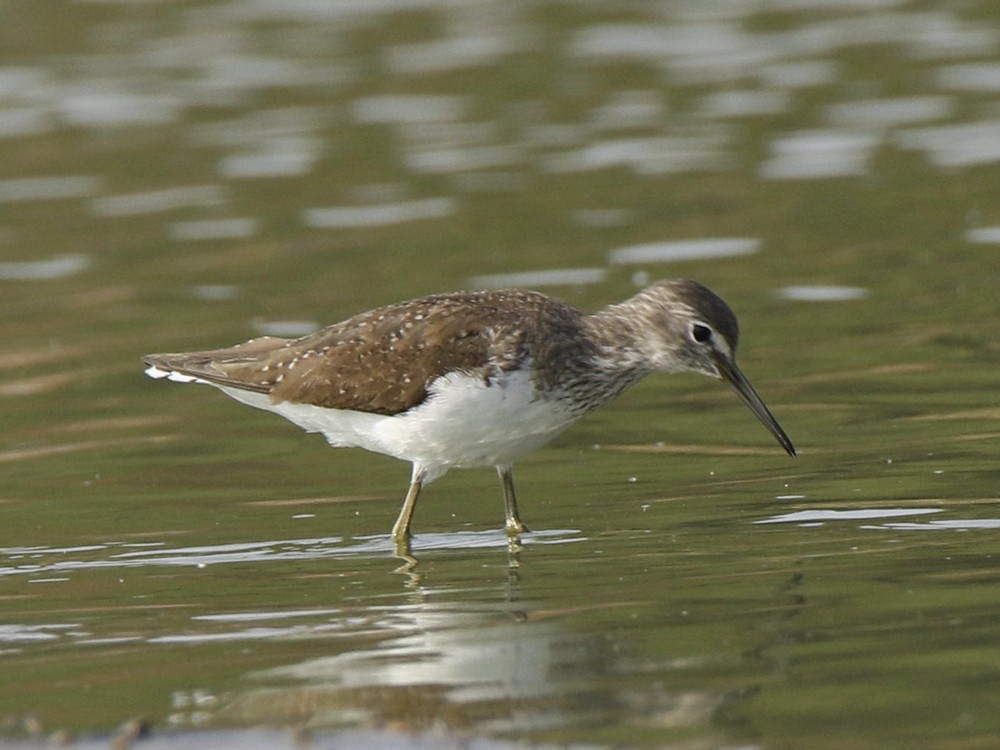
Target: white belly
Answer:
pixel 463 422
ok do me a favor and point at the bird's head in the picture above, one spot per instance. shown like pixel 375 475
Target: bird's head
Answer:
pixel 690 328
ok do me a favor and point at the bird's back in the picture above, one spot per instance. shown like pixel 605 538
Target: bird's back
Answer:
pixel 385 360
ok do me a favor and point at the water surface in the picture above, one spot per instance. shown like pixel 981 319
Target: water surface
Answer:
pixel 188 175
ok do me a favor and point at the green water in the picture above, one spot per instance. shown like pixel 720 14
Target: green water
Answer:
pixel 170 554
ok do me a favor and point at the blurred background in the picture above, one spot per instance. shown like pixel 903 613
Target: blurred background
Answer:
pixel 179 175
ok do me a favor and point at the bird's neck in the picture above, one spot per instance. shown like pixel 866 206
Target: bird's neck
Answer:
pixel 618 336
pixel 610 360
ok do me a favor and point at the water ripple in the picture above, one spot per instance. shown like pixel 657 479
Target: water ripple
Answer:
pixel 47 560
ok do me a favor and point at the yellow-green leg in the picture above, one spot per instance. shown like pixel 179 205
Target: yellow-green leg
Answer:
pixel 514 524
pixel 401 529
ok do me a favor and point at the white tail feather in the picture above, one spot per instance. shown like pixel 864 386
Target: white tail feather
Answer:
pixel 155 372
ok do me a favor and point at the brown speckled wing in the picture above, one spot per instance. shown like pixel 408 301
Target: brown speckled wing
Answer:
pixel 382 361
pixel 223 366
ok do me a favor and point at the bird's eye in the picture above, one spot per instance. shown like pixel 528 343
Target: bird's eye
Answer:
pixel 701 333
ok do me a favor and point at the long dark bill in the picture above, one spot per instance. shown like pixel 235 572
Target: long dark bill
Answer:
pixel 732 375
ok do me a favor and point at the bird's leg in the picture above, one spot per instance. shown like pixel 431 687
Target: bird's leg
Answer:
pixel 514 524
pixel 401 529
